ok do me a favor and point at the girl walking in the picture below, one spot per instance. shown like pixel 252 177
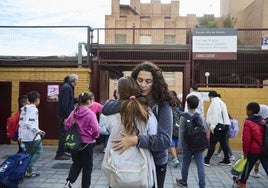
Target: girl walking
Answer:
pixel 89 130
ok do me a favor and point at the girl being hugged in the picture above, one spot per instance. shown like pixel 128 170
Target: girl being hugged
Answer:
pixel 88 128
pixel 135 118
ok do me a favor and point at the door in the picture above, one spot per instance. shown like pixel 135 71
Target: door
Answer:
pixel 47 109
pixel 5 106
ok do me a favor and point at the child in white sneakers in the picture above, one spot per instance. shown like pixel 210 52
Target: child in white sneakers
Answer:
pixel 28 129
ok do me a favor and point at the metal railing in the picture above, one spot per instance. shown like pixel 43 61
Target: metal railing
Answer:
pixel 249 70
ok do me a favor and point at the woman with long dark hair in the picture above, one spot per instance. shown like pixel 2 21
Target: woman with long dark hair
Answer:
pixel 136 119
pixel 154 88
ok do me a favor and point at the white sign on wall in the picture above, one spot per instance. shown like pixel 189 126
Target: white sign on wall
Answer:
pixel 215 43
pixel 53 93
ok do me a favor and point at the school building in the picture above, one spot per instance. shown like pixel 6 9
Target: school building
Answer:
pixel 143 32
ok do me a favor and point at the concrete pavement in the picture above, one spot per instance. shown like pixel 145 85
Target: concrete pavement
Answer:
pixel 54 172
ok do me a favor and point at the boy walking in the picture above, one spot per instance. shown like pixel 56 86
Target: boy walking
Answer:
pixel 28 128
pixel 252 142
pixel 188 152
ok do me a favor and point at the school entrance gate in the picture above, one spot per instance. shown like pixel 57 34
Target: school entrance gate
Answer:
pixel 112 60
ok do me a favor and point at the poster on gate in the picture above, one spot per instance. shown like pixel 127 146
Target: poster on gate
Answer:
pixel 53 93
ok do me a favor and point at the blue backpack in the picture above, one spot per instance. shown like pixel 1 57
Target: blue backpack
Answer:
pixel 12 170
pixel 233 128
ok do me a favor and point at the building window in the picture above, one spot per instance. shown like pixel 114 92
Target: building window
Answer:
pixel 145 39
pixel 169 78
pixel 120 38
pixel 170 39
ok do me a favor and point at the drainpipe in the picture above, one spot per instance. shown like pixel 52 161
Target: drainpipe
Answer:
pixel 79 55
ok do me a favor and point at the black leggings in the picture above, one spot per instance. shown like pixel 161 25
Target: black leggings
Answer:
pixel 82 160
pixel 252 159
pixel 161 174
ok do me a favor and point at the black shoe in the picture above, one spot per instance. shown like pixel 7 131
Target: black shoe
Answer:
pixel 235 178
pixel 206 163
pixel 225 163
pixel 62 157
pixel 180 183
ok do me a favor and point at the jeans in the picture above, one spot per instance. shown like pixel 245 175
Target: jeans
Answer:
pixel 160 174
pixel 218 136
pixel 199 161
pixel 82 160
pixel 252 159
pixel 62 135
pixel 35 149
pixel 105 140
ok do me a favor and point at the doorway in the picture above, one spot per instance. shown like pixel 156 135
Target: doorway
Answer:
pixel 5 106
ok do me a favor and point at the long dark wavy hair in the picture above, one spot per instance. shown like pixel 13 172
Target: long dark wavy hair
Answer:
pixel 133 108
pixel 160 90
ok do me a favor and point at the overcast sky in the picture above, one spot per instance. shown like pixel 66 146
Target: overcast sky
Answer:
pixel 65 12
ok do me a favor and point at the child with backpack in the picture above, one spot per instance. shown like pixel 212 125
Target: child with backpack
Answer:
pixel 88 129
pixel 29 132
pixel 13 120
pixel 176 104
pixel 193 136
pixel 252 142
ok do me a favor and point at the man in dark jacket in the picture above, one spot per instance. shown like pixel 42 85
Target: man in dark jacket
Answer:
pixel 64 108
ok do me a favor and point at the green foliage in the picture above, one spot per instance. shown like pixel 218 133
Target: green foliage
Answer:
pixel 207 21
pixel 229 22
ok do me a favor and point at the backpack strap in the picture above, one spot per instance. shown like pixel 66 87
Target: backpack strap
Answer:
pixel 188 116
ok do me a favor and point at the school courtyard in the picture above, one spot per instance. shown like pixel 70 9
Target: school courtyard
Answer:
pixel 54 172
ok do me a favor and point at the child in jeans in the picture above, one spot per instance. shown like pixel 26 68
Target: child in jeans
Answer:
pixel 28 129
pixel 192 102
pixel 175 103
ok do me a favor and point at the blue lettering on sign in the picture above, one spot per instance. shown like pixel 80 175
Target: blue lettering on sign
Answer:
pixel 264 41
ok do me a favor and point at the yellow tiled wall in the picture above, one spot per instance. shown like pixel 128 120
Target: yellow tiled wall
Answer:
pixel 17 75
pixel 236 100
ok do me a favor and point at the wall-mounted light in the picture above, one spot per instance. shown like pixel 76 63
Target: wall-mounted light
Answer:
pixel 207 74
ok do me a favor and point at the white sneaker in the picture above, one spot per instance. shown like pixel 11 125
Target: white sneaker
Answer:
pixel 255 174
pixel 176 162
pixel 68 185
pixel 218 154
pixel 232 158
pixel 207 164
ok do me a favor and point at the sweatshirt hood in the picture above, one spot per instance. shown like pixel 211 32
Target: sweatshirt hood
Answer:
pixel 27 107
pixel 263 111
pixel 111 107
pixel 257 119
pixel 81 112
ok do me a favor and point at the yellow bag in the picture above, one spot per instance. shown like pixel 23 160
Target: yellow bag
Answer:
pixel 239 165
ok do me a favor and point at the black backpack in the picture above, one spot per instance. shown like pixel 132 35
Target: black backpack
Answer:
pixel 176 122
pixel 195 134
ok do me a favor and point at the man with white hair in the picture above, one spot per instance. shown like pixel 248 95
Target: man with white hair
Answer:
pixel 64 108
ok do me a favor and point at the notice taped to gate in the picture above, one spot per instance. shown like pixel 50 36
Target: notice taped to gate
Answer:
pixel 214 44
